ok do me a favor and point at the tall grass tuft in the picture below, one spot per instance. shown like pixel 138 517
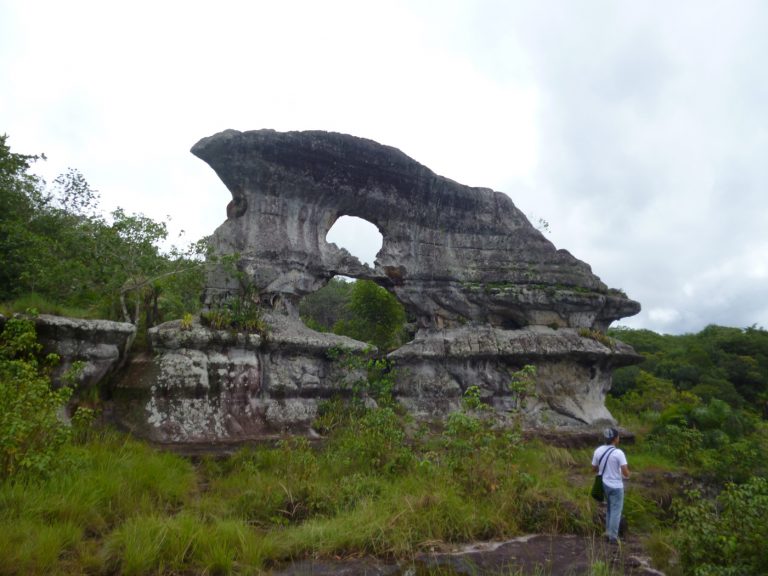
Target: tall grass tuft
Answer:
pixel 35 546
pixel 170 544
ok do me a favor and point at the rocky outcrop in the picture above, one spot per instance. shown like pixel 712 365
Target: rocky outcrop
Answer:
pixel 451 253
pixel 100 345
pixel 572 377
pixel 489 294
pixel 202 385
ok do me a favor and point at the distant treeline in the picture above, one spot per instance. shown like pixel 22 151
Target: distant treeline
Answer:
pixel 728 364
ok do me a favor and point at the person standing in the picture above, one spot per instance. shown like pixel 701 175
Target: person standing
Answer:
pixel 611 461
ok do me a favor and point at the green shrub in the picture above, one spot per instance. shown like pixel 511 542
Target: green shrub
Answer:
pixel 31 433
pixel 374 316
pixel 728 536
pixel 241 312
pixel 374 442
pixel 680 443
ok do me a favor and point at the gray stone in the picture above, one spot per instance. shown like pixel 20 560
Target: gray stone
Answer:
pixel 101 345
pixel 489 294
pixel 451 253
pixel 203 385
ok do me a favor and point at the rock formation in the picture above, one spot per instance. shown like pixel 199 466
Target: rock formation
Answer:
pixel 100 346
pixel 489 294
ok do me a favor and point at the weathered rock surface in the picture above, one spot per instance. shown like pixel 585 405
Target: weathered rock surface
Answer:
pixel 451 253
pixel 204 385
pixel 529 555
pixel 101 345
pixel 489 294
pixel 573 372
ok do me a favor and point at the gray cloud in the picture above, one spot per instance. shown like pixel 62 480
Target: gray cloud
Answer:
pixel 652 133
pixel 638 130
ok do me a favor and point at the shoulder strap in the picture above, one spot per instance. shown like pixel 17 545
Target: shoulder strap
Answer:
pixel 606 453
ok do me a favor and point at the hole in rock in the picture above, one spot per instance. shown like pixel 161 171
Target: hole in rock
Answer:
pixel 360 309
pixel 359 237
pixel 328 307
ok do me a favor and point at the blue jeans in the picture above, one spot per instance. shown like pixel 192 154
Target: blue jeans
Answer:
pixel 614 498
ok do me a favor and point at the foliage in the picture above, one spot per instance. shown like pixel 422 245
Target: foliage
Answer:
pixel 730 364
pixel 478 447
pixel 186 321
pixel 375 316
pixel 373 442
pixel 57 244
pixel 523 386
pixel 651 395
pixel 378 375
pixel 20 198
pixel 703 396
pixel 321 310
pixel 241 312
pixel 727 536
pixel 31 434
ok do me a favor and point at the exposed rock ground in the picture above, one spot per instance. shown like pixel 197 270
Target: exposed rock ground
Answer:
pixel 533 555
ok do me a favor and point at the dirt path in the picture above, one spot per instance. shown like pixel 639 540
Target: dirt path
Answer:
pixel 535 555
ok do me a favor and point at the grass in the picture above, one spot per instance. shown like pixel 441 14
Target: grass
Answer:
pixel 42 305
pixel 119 506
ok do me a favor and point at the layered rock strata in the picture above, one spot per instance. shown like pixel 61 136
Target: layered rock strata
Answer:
pixel 89 351
pixel 451 253
pixel 202 385
pixel 488 292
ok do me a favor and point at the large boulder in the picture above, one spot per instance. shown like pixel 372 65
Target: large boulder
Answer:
pixel 203 385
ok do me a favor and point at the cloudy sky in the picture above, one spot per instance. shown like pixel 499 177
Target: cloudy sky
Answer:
pixel 637 130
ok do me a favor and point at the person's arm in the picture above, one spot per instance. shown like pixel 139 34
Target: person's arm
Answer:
pixel 594 468
pixel 624 471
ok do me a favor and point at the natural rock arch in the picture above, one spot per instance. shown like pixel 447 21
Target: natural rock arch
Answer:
pixel 490 294
pixel 367 234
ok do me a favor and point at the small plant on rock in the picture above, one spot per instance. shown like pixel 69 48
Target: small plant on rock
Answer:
pixel 241 313
pixel 597 336
pixel 186 321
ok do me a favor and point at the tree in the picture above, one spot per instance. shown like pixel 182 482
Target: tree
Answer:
pixel 20 198
pixel 376 316
pixel 730 364
pixel 321 310
pixel 55 243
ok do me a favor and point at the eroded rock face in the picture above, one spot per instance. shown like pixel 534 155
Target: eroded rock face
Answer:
pixel 452 254
pixel 489 294
pixel 202 385
pixel 101 345
pixel 572 377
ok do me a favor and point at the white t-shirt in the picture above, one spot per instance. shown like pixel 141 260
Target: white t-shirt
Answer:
pixel 611 465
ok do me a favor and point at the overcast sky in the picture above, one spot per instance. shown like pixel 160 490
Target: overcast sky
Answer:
pixel 638 130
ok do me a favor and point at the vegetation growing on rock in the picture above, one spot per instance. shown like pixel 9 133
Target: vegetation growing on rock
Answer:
pixel 77 499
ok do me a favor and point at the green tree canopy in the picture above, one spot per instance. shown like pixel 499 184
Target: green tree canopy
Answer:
pixel 728 364
pixel 55 243
pixel 376 316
